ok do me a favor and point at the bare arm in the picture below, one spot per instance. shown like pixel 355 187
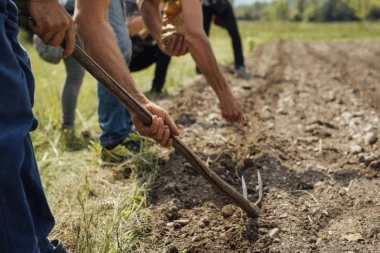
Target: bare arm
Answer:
pixel 99 41
pixel 150 12
pixel 201 51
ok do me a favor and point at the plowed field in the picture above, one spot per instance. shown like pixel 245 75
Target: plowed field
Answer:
pixel 312 123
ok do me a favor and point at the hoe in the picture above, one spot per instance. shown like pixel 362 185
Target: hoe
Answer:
pixel 198 165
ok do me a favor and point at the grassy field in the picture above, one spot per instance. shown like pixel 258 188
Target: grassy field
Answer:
pixel 95 212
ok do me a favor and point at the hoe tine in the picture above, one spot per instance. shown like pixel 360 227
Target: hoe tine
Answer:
pixel 244 187
pixel 260 186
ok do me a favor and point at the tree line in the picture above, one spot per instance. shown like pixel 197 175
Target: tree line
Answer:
pixel 311 10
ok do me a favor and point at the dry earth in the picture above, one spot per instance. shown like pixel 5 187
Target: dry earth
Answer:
pixel 312 117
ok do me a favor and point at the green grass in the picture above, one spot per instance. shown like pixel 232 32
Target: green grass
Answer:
pixel 96 211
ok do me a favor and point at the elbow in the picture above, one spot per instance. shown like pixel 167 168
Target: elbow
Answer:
pixel 79 23
pixel 196 39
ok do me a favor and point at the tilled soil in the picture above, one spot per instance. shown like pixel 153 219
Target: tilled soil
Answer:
pixel 312 114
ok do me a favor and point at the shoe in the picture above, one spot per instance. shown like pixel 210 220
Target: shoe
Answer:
pixel 155 90
pixel 240 70
pixel 137 142
pixel 130 146
pixel 59 247
pixel 155 95
pixel 117 155
pixel 71 141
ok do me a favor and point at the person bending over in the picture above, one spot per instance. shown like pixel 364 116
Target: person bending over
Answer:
pixel 145 50
pixel 183 19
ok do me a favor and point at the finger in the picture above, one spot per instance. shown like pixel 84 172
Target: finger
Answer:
pixel 184 48
pixel 56 39
pixel 165 137
pixel 154 127
pixel 178 45
pixel 172 126
pixel 46 37
pixel 172 46
pixel 160 130
pixel 149 131
pixel 69 43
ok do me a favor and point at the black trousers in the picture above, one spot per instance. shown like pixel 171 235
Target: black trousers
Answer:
pixel 229 23
pixel 148 56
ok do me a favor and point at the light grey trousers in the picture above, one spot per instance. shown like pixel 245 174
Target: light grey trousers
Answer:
pixel 70 91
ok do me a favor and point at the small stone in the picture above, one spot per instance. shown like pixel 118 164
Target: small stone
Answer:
pixel 176 225
pixel 274 233
pixel 228 211
pixel 196 238
pixel 183 222
pixel 375 165
pixel 342 192
pixel 370 138
pixel 201 224
pixel 356 149
pixel 319 183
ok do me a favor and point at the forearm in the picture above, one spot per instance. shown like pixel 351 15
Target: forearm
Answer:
pixel 150 12
pixel 201 52
pixel 99 42
pixel 200 48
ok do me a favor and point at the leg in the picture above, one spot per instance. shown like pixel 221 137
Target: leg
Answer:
pixel 70 91
pixel 162 64
pixel 207 16
pixel 114 119
pixel 229 21
pixel 143 59
pixel 25 217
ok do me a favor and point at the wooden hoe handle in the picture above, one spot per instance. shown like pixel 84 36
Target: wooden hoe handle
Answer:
pixel 198 165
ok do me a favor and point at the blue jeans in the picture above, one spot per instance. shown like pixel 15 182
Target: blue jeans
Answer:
pixel 114 119
pixel 25 217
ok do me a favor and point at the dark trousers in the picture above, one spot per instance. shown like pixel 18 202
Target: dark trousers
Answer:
pixel 228 20
pixel 25 217
pixel 148 56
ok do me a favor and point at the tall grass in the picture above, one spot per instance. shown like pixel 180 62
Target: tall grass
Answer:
pixel 98 210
